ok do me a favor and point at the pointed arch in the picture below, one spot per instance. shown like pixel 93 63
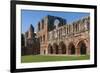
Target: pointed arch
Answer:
pixel 50 49
pixel 71 49
pixel 82 47
pixel 55 47
pixel 62 47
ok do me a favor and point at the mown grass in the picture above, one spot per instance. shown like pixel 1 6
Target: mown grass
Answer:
pixel 46 58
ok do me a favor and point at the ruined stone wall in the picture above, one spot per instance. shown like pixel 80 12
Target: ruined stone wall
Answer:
pixel 76 34
pixel 60 37
pixel 44 26
pixel 31 46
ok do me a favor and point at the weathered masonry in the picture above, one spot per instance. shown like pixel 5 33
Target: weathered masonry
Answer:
pixel 55 37
pixel 58 37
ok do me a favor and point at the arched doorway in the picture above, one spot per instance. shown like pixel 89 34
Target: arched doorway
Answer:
pixel 82 47
pixel 62 47
pixel 55 47
pixel 50 49
pixel 71 49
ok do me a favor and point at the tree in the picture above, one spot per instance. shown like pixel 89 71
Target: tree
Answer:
pixel 22 40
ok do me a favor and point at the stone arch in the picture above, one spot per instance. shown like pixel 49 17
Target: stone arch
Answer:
pixel 50 49
pixel 62 47
pixel 82 47
pixel 55 48
pixel 85 40
pixel 71 49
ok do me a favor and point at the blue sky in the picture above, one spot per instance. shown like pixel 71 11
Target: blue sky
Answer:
pixel 34 16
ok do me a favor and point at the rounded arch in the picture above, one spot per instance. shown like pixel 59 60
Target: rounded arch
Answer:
pixel 71 49
pixel 55 47
pixel 62 47
pixel 50 49
pixel 82 47
pixel 85 40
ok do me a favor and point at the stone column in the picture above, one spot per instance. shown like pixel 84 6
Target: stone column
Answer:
pixel 77 51
pixel 40 25
pixel 69 29
pixel 88 48
pixel 67 50
pixel 73 28
pixel 79 27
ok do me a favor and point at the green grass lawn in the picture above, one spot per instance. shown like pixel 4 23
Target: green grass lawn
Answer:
pixel 45 58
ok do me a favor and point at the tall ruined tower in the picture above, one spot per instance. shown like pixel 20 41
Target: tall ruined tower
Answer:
pixel 47 24
pixel 31 32
pixel 29 35
pixel 31 42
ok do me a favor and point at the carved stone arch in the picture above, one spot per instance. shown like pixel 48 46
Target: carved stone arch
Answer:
pixel 82 47
pixel 82 39
pixel 62 47
pixel 71 48
pixel 55 48
pixel 56 23
pixel 50 49
pixel 61 21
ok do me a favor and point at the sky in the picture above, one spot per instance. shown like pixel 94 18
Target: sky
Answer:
pixel 34 16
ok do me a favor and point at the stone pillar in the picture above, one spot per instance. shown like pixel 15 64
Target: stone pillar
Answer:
pixel 41 51
pixel 69 29
pixel 79 27
pixel 88 48
pixel 67 50
pixel 73 28
pixel 46 51
pixel 40 25
pixel 77 51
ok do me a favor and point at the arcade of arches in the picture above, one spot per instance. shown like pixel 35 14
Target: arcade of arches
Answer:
pixel 71 49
